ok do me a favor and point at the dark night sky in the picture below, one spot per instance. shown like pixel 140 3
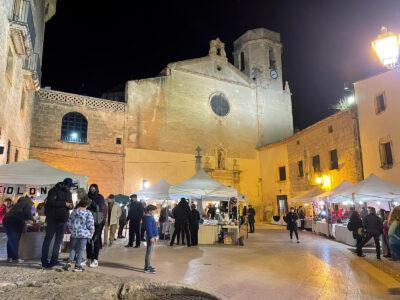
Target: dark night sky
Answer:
pixel 92 46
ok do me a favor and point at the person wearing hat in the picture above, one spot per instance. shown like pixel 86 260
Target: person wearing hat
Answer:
pixel 57 207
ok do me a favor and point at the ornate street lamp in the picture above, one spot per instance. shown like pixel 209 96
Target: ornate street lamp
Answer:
pixel 386 46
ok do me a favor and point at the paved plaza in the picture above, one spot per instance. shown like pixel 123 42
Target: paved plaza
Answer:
pixel 268 267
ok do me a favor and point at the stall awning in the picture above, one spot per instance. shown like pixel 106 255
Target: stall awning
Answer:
pixel 159 191
pixel 334 192
pixel 308 196
pixel 35 172
pixel 371 189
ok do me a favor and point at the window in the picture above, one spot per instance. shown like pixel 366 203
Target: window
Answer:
pixel 298 142
pixel 330 129
pixel 272 62
pixel 334 159
pixel 219 68
pixel 385 150
pixel 380 103
pixel 16 155
pixel 74 128
pixel 300 168
pixel 118 141
pixel 220 105
pixel 10 65
pixel 282 173
pixel 242 63
pixel 316 164
pixel 8 152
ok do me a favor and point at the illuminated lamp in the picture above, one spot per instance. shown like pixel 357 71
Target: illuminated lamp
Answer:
pixel 386 47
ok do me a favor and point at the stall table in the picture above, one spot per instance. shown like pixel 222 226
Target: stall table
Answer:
pixel 208 234
pixel 320 227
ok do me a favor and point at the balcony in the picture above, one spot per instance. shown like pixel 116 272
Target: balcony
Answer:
pixel 22 27
pixel 32 72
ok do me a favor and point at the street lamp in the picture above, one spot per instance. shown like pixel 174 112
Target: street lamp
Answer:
pixel 386 46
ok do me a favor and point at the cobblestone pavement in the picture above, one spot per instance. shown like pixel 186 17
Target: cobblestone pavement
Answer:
pixel 269 266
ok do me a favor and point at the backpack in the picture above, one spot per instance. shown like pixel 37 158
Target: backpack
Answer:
pixel 350 226
pixel 98 216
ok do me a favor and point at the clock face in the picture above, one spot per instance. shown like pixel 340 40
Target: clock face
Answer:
pixel 274 74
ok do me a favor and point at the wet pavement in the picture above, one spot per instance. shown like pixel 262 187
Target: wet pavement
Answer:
pixel 269 266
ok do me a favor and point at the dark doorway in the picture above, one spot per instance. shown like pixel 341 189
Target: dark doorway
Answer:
pixel 282 204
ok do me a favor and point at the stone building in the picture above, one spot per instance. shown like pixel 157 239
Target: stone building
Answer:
pixel 226 110
pixel 323 154
pixel 378 110
pixel 22 24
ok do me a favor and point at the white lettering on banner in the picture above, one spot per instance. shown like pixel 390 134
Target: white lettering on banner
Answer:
pixel 18 190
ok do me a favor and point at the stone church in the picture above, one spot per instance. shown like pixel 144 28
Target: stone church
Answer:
pixel 227 110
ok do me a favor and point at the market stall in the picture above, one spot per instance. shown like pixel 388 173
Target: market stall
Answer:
pixel 34 178
pixel 203 189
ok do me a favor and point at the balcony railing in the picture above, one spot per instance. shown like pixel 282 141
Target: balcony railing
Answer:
pixel 33 67
pixel 22 17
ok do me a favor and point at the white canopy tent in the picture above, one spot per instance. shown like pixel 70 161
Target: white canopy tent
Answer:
pixel 159 191
pixel 307 197
pixel 334 192
pixel 35 172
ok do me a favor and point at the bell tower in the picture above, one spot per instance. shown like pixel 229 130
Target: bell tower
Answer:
pixel 258 54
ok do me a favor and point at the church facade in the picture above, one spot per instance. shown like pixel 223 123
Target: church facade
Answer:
pixel 227 110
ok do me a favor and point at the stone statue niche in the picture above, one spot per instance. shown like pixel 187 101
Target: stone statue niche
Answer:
pixel 220 159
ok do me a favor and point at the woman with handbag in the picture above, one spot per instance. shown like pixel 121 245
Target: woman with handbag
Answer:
pixel 394 233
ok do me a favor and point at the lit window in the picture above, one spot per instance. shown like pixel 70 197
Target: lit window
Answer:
pixel 380 103
pixel 334 159
pixel 74 128
pixel 316 164
pixel 282 173
pixel 385 150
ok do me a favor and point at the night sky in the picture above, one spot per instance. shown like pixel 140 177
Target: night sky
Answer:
pixel 93 46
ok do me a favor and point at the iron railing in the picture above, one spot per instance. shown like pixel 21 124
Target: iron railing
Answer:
pixel 32 64
pixel 23 16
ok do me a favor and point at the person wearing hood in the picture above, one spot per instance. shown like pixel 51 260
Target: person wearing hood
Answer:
pixel 135 215
pixel 97 208
pixel 181 216
pixel 14 223
pixel 113 214
pixel 373 226
pixel 57 207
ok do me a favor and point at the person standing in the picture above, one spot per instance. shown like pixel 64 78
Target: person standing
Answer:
pixel 151 229
pixel 57 207
pixel 356 226
pixel 194 225
pixel 383 214
pixel 162 220
pixel 244 214
pixel 113 214
pixel 373 229
pixel 291 223
pixel 181 215
pixel 96 207
pixel 122 222
pixel 302 217
pixel 135 215
pixel 394 233
pixel 251 213
pixel 5 208
pixel 14 222
pixel 81 225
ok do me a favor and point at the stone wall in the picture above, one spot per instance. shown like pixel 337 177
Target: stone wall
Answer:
pixel 101 158
pixel 338 132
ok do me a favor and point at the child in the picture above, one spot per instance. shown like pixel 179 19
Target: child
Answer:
pixel 151 236
pixel 81 225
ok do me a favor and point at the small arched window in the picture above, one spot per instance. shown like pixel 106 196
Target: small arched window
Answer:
pixel 242 63
pixel 74 128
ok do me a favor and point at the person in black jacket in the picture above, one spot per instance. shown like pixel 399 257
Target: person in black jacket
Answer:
pixel 250 216
pixel 356 226
pixel 373 226
pixel 181 215
pixel 194 225
pixel 97 208
pixel 135 215
pixel 58 204
pixel 291 223
pixel 122 222
pixel 14 223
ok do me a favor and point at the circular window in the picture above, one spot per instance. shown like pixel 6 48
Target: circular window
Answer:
pixel 220 105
